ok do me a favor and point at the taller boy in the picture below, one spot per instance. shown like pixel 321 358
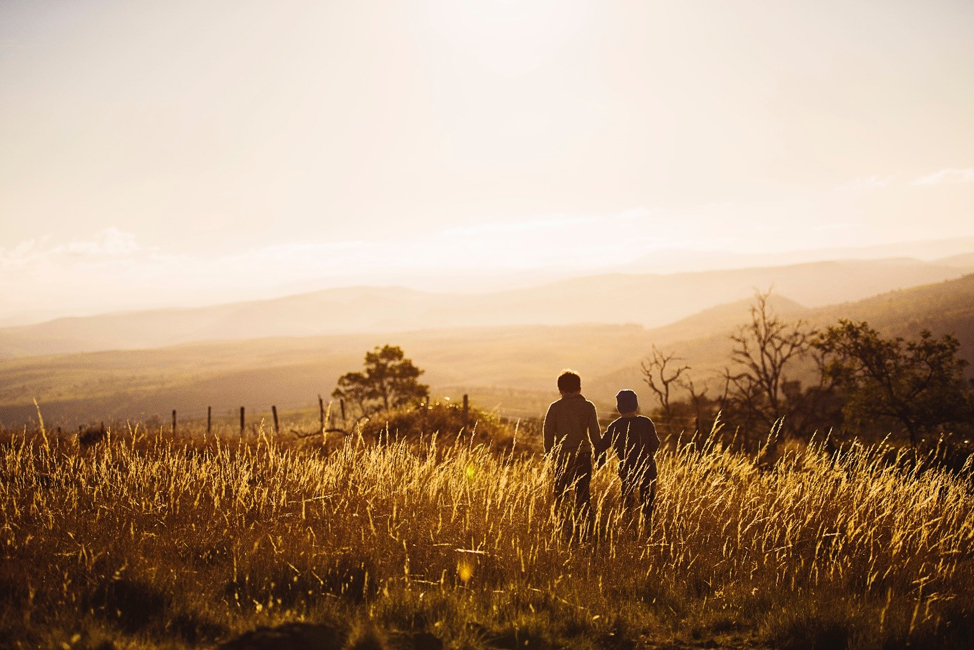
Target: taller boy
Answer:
pixel 571 430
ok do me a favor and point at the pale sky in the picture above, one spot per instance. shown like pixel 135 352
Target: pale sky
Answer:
pixel 179 152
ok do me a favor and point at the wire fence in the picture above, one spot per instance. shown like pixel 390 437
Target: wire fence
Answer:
pixel 320 415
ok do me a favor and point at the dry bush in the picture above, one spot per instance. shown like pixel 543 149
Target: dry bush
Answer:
pixel 446 421
pixel 157 541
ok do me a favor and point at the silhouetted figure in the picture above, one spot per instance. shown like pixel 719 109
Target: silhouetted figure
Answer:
pixel 571 431
pixel 633 438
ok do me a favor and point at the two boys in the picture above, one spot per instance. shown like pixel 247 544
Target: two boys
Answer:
pixel 572 432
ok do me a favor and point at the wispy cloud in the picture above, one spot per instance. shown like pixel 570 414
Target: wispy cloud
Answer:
pixel 945 176
pixel 836 227
pixel 110 244
pixel 866 184
pixel 114 269
pixel 553 222
pixel 118 269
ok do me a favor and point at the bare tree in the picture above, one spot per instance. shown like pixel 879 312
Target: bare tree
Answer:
pixel 763 350
pixel 697 400
pixel 660 375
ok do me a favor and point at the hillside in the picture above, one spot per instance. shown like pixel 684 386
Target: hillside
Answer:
pixel 964 262
pixel 489 363
pixel 510 367
pixel 647 300
pixel 944 307
pixel 940 307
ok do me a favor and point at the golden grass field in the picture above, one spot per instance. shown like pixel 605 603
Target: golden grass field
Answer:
pixel 145 540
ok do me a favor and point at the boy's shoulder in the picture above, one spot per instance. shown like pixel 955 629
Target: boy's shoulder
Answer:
pixel 631 420
pixel 638 422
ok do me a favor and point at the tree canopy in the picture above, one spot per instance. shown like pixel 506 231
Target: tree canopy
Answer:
pixel 846 378
pixel 919 384
pixel 388 380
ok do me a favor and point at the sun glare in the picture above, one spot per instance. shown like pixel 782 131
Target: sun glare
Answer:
pixel 509 37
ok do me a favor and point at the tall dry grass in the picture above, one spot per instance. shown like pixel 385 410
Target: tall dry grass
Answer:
pixel 145 540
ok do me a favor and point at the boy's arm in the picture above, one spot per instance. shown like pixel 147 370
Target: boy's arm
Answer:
pixel 605 445
pixel 653 438
pixel 549 430
pixel 595 432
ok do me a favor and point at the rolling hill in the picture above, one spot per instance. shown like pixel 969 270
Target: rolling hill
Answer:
pixel 702 340
pixel 512 367
pixel 964 262
pixel 646 300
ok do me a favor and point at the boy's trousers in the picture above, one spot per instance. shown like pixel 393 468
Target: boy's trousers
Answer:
pixel 573 470
pixel 638 491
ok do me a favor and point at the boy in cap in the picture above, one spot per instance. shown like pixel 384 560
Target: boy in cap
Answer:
pixel 633 437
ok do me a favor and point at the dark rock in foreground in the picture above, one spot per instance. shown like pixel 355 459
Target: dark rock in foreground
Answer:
pixel 291 636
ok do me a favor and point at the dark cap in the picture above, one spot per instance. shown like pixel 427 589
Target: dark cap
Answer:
pixel 626 401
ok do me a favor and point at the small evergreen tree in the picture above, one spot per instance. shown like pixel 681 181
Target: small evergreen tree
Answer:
pixel 389 380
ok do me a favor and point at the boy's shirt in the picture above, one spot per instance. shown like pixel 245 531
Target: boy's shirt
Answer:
pixel 573 423
pixel 634 440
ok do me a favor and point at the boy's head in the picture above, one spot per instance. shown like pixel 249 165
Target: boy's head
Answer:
pixel 626 402
pixel 569 382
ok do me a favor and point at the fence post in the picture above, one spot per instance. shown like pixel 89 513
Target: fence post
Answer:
pixel 321 411
pixel 277 429
pixel 466 409
pixel 174 421
pixel 209 419
pixel 242 420
pixel 342 403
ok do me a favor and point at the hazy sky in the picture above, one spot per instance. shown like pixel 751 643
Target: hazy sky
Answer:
pixel 172 152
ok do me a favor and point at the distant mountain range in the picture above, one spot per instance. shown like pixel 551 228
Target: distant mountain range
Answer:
pixel 508 366
pixel 649 300
pixel 938 251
